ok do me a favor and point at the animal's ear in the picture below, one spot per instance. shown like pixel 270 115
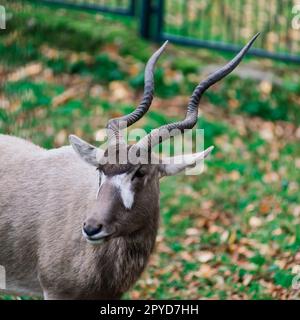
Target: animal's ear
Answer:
pixel 86 151
pixel 177 164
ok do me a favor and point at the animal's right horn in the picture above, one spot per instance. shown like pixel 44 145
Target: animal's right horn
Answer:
pixel 115 125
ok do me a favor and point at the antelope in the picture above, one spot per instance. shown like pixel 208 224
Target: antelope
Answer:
pixel 74 227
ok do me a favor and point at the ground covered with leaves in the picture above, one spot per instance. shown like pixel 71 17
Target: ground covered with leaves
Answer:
pixel 232 232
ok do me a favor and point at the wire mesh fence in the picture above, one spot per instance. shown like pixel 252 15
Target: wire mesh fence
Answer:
pixel 224 24
pixel 124 7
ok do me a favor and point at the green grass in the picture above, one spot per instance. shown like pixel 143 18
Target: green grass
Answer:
pixel 232 232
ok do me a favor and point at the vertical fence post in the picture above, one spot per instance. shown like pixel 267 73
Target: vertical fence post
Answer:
pixel 151 19
pixel 132 7
pixel 2 18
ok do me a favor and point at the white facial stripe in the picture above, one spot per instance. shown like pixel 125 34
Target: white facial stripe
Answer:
pixel 123 183
pixel 102 180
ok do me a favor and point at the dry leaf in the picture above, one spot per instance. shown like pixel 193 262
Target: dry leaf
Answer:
pixel 205 256
pixel 255 222
pixel 30 70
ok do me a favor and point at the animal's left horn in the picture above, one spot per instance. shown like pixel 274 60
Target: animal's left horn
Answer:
pixel 115 125
pixel 162 133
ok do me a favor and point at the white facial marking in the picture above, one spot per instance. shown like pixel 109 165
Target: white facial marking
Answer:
pixel 102 180
pixel 123 182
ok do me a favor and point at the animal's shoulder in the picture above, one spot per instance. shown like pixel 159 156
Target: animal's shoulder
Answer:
pixel 15 150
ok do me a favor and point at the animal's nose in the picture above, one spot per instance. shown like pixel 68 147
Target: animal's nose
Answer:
pixel 91 230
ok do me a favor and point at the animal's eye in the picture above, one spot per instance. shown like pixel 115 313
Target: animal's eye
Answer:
pixel 139 173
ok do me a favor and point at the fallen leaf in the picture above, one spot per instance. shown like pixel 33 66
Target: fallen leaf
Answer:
pixel 255 222
pixel 205 256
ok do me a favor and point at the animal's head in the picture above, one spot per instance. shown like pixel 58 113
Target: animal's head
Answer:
pixel 128 195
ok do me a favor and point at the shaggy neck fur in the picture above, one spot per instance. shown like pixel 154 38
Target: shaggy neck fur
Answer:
pixel 125 259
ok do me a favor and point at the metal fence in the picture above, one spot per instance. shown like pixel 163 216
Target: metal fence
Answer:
pixel 227 24
pixel 214 24
pixel 122 7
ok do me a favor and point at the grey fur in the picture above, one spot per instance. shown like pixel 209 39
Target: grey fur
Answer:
pixel 45 196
